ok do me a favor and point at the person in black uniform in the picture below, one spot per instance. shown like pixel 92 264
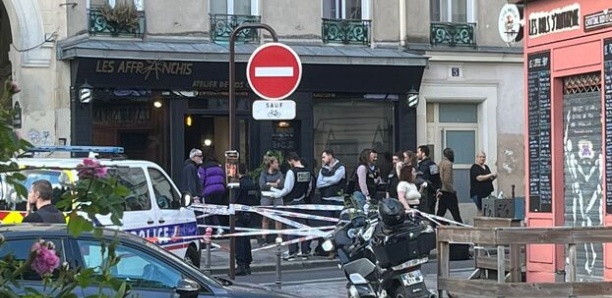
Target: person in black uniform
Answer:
pixel 40 196
pixel 295 190
pixel 247 195
pixel 428 172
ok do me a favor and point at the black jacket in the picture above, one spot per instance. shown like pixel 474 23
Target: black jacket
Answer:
pixel 190 181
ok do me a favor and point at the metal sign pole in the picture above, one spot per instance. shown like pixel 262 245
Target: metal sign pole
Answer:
pixel 233 124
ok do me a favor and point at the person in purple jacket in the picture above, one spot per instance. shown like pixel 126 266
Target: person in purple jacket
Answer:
pixel 212 176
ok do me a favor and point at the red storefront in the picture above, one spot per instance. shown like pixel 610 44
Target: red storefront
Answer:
pixel 568 101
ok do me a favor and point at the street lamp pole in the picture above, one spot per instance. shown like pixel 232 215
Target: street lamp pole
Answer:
pixel 233 125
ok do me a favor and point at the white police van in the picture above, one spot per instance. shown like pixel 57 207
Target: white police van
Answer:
pixel 155 209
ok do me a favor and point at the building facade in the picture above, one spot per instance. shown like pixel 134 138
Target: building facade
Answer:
pixel 152 76
pixel 28 32
pixel 471 89
pixel 568 70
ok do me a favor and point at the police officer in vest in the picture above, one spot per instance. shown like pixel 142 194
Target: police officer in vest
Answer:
pixel 40 196
pixel 331 180
pixel 296 188
pixel 428 172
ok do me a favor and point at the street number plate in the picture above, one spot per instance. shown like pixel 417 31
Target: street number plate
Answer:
pixel 411 278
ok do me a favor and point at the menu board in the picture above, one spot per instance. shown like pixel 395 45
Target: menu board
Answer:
pixel 286 139
pixel 539 132
pixel 607 81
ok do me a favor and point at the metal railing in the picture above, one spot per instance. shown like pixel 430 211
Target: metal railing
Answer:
pixel 222 25
pixel 99 25
pixel 346 31
pixel 452 34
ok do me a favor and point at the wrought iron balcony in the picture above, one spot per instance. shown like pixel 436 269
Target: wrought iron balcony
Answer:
pixel 346 31
pixel 222 25
pixel 453 34
pixel 100 25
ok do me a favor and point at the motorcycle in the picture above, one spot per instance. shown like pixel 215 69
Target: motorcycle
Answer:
pixel 381 260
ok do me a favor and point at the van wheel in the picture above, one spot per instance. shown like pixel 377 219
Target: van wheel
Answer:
pixel 193 256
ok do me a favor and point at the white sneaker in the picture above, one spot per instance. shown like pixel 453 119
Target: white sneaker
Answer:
pixel 219 232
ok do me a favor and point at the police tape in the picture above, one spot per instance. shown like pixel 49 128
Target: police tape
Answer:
pixel 238 207
pixel 297 240
pixel 436 219
pixel 296 232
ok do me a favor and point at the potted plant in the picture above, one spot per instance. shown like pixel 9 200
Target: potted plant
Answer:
pixel 122 17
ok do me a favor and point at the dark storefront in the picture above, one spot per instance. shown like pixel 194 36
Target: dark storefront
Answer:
pixel 160 108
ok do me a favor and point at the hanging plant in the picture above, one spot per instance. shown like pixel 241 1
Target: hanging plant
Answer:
pixel 124 16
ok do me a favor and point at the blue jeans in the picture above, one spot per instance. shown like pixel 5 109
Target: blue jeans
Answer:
pixel 478 202
pixel 304 245
pixel 360 198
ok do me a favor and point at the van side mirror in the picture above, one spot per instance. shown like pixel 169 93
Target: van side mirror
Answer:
pixel 186 199
pixel 187 288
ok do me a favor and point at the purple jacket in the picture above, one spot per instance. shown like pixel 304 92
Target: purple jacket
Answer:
pixel 213 178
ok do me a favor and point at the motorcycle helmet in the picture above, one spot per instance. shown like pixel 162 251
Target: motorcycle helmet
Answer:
pixel 392 212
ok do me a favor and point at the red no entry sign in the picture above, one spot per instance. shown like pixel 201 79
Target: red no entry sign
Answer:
pixel 274 71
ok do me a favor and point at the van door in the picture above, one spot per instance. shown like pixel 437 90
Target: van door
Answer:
pixel 139 218
pixel 177 222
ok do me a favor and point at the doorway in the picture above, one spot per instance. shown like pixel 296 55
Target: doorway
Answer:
pixel 583 169
pixel 210 133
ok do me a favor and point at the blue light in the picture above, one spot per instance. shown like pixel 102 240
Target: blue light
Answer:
pixel 77 149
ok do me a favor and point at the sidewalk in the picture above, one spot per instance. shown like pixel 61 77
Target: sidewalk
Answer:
pixel 263 260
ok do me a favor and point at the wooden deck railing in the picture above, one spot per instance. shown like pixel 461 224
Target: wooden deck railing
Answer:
pixel 515 238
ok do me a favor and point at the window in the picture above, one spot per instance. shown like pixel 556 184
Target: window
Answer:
pixel 165 194
pixel 92 3
pixel 234 7
pixel 340 125
pixel 454 11
pixel 346 9
pixel 135 180
pixel 137 268
pixel 20 250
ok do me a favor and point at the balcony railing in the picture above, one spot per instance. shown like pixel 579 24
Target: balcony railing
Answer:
pixel 346 31
pixel 222 25
pixel 453 34
pixel 99 25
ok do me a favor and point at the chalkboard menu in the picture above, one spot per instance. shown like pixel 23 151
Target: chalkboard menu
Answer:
pixel 607 52
pixel 539 132
pixel 286 136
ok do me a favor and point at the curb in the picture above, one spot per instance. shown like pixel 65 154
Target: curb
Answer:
pixel 285 265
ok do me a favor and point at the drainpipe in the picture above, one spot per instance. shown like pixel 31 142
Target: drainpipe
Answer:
pixel 402 22
pixel 371 6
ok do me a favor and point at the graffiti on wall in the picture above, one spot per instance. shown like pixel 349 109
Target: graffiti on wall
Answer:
pixel 39 138
pixel 584 174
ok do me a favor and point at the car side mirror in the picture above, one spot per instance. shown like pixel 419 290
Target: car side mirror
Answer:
pixel 187 288
pixel 186 199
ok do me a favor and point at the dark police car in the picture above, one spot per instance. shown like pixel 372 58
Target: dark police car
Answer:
pixel 150 270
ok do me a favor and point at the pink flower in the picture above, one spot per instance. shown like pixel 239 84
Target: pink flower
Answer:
pixel 46 260
pixel 91 168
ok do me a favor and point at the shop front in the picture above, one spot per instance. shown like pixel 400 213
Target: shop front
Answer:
pixel 160 109
pixel 568 71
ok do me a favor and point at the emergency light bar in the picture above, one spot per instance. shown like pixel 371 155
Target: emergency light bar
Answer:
pixel 78 149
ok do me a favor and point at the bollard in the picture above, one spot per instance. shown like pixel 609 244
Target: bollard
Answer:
pixel 279 240
pixel 207 240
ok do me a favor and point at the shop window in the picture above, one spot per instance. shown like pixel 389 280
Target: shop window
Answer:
pixel 93 3
pixel 346 9
pixel 233 7
pixel 452 11
pixel 348 126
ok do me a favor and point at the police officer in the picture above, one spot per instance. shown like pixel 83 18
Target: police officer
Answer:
pixel 295 190
pixel 429 173
pixel 247 195
pixel 40 196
